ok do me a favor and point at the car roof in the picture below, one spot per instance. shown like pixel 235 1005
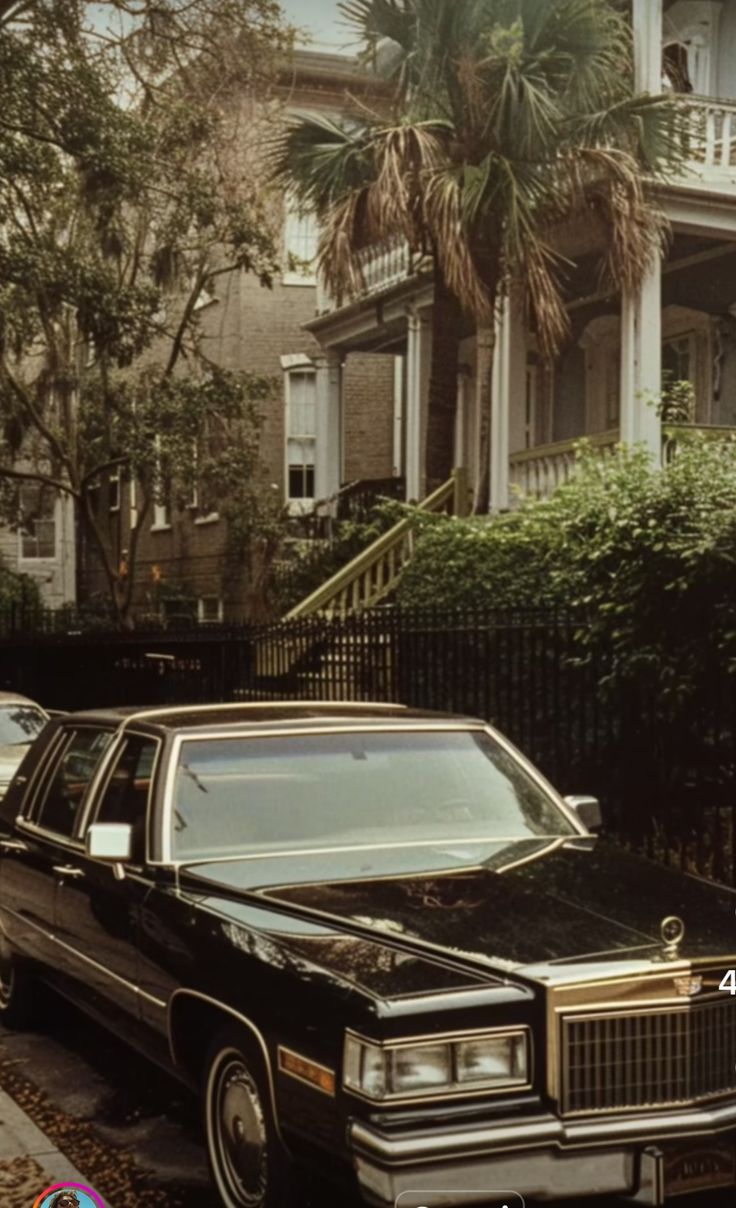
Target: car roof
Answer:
pixel 277 714
pixel 14 698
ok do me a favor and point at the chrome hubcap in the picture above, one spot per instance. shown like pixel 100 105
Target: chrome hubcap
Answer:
pixel 239 1133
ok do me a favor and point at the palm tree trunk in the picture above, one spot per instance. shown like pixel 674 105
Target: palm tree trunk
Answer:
pixel 447 319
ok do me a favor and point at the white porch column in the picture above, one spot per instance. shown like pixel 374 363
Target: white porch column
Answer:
pixel 328 425
pixel 648 27
pixel 508 391
pixel 418 364
pixel 641 364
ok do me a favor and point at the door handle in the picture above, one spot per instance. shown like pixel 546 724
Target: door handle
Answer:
pixel 13 845
pixel 67 870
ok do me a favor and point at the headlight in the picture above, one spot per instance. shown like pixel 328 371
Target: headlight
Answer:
pixel 452 1065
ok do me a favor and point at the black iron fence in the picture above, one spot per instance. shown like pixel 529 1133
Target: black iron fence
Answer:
pixel 666 776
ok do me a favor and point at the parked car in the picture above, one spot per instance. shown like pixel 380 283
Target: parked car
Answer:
pixel 380 946
pixel 21 720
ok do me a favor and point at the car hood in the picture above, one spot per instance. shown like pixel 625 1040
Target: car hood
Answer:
pixel 533 905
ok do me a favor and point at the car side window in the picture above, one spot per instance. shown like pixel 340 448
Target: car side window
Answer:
pixel 66 789
pixel 128 791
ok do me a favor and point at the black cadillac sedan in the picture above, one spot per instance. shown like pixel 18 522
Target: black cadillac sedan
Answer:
pixel 380 947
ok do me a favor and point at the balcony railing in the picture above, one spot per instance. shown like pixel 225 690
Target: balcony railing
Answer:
pixel 711 147
pixel 539 471
pixel 382 265
pixel 674 436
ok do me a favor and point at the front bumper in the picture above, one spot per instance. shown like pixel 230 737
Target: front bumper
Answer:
pixel 541 1157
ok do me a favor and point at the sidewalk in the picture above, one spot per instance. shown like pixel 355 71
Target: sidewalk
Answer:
pixel 29 1161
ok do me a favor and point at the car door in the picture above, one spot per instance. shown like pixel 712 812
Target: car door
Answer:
pixel 43 846
pixel 97 912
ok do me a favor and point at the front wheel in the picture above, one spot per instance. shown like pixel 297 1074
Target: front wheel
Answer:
pixel 248 1163
pixel 18 1007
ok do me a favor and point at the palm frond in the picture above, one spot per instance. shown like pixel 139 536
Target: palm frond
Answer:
pixel 321 160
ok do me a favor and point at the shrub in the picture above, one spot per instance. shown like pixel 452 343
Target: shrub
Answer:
pixel 648 555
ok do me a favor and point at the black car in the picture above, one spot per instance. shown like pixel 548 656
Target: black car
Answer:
pixel 381 947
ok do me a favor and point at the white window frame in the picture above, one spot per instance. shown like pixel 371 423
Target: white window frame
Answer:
pixel 298 505
pixel 22 537
pixel 193 505
pixel 115 485
pixel 694 25
pixel 161 511
pixel 601 342
pixel 201 604
pixel 296 217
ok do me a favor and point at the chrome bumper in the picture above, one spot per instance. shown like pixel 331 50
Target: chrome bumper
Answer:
pixel 542 1157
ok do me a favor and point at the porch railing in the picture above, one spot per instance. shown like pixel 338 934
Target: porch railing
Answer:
pixel 539 471
pixel 674 435
pixel 373 575
pixel 711 143
pixel 382 265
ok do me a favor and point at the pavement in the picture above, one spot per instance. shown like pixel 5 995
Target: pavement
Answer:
pixel 29 1160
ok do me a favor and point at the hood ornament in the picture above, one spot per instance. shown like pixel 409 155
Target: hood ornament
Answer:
pixel 672 930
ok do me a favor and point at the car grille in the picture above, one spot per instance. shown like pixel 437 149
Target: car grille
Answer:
pixel 645 1059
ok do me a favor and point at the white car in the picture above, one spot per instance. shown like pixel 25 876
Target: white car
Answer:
pixel 21 720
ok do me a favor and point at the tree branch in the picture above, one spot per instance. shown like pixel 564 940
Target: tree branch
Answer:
pixel 44 479
pixel 39 423
pixel 99 470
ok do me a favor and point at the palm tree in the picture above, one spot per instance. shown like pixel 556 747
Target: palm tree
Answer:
pixel 504 119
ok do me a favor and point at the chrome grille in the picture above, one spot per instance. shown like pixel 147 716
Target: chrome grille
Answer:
pixel 648 1058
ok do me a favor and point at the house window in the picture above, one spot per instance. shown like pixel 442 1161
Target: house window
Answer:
pixel 162 488
pixel 301 237
pixel 202 502
pixel 678 359
pixel 161 516
pixel 209 610
pixel 38 525
pixel 115 491
pixel 301 407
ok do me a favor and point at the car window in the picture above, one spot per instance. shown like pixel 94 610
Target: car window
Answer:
pixel 373 789
pixel 128 791
pixel 20 724
pixel 70 780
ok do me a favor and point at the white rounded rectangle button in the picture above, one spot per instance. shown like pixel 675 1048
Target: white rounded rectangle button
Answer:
pixel 454 1198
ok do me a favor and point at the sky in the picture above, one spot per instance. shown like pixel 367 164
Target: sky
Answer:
pixel 322 19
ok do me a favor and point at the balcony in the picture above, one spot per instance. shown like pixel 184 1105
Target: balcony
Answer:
pixel 711 149
pixel 382 266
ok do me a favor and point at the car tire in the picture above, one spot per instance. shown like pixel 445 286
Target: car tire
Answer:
pixel 18 1004
pixel 248 1163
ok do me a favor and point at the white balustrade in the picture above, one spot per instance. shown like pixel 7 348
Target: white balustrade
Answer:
pixel 539 471
pixel 381 266
pixel 711 144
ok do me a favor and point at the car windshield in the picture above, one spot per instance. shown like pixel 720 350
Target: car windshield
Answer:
pixel 249 795
pixel 19 724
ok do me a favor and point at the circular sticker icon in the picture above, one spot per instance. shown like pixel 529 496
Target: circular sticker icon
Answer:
pixel 69 1195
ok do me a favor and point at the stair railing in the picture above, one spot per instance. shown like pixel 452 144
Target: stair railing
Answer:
pixel 375 572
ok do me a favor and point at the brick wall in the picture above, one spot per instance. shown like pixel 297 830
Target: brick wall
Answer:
pixel 248 327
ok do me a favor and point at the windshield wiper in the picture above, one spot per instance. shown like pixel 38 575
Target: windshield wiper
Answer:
pixel 193 776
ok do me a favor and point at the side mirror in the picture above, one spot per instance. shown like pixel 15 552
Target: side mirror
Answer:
pixel 588 811
pixel 111 842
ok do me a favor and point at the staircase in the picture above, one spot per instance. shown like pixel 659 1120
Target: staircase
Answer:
pixel 305 647
pixel 375 572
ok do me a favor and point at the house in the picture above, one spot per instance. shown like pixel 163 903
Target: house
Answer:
pixel 184 561
pixel 680 324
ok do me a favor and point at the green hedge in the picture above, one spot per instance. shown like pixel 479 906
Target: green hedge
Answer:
pixel 648 555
